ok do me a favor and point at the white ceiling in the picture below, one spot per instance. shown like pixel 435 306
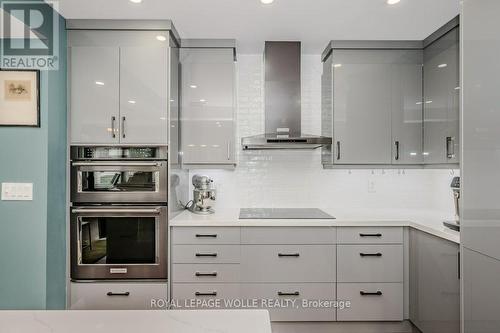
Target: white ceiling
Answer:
pixel 314 22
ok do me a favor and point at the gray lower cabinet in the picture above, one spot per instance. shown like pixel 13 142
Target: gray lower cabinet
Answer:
pixel 434 284
pixel 441 100
pixel 480 293
pixel 296 278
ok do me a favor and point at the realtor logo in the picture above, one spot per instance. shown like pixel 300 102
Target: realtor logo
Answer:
pixel 30 35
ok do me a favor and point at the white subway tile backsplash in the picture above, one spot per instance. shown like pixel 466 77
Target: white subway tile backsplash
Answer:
pixel 296 178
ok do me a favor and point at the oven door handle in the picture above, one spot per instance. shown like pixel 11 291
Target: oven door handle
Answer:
pixel 118 164
pixel 110 210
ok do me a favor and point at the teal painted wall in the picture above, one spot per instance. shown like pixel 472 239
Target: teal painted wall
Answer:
pixel 33 233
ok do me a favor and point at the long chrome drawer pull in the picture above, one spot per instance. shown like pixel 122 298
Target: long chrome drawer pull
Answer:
pixel 289 255
pixel 213 293
pixel 363 293
pixel 205 274
pixel 112 211
pixel 295 293
pixel 117 164
pixel 370 254
pixel 370 235
pixel 118 294
pixel 206 254
pixel 206 235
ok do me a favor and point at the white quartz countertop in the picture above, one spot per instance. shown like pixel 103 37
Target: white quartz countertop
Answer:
pixel 427 221
pixel 132 321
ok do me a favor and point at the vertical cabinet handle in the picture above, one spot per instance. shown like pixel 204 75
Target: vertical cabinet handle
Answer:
pixel 228 150
pixel 397 150
pixel 459 277
pixel 113 134
pixel 123 126
pixel 450 147
pixel 338 150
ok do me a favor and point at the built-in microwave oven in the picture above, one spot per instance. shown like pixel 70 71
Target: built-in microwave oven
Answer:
pixel 118 242
pixel 119 175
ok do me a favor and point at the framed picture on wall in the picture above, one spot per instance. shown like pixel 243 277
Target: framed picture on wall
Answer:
pixel 19 98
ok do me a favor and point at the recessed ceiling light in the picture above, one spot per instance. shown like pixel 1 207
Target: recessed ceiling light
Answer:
pixel 428 102
pixel 203 100
pixel 131 101
pixel 136 1
pixel 442 65
pixel 99 83
pixel 266 2
pixel 161 38
pixel 392 2
pixel 337 65
pixel 194 86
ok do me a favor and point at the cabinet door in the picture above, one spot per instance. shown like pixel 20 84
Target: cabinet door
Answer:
pixel 207 106
pixel 94 94
pixel 441 100
pixel 362 107
pixel 434 284
pixel 407 109
pixel 143 95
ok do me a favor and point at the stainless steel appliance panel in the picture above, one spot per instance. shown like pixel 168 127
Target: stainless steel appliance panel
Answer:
pixel 118 242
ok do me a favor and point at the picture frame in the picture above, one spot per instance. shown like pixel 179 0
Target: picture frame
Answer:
pixel 19 97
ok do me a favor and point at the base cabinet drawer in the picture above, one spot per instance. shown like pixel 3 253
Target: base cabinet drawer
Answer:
pixel 288 235
pixel 206 235
pixel 370 235
pixel 288 263
pixel 117 296
pixel 370 263
pixel 371 301
pixel 205 254
pixel 206 273
pixel 205 295
pixel 292 301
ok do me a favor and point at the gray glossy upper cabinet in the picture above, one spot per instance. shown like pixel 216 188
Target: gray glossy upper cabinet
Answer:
pixel 434 283
pixel 208 106
pixel 118 83
pixel 94 94
pixel 143 95
pixel 441 99
pixel 371 106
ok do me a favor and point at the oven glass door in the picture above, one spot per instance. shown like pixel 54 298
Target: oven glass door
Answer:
pixel 119 182
pixel 118 242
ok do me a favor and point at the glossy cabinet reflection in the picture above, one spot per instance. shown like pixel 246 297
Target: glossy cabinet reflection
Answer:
pixel 118 92
pixel 208 106
pixel 143 94
pixel 434 283
pixel 441 100
pixel 94 94
pixel 373 99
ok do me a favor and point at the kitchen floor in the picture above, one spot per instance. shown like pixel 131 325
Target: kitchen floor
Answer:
pixel 335 327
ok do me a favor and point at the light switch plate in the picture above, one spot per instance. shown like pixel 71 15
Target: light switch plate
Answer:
pixel 372 186
pixel 17 191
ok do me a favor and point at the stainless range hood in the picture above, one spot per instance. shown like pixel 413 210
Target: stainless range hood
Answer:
pixel 282 102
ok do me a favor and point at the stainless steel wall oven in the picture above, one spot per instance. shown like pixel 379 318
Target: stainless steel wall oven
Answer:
pixel 118 217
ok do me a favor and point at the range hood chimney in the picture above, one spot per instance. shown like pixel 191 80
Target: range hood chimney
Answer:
pixel 282 102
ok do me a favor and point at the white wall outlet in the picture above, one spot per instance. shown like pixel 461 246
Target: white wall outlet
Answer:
pixel 372 186
pixel 17 191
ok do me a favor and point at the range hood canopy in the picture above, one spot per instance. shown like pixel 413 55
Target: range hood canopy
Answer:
pixel 282 102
